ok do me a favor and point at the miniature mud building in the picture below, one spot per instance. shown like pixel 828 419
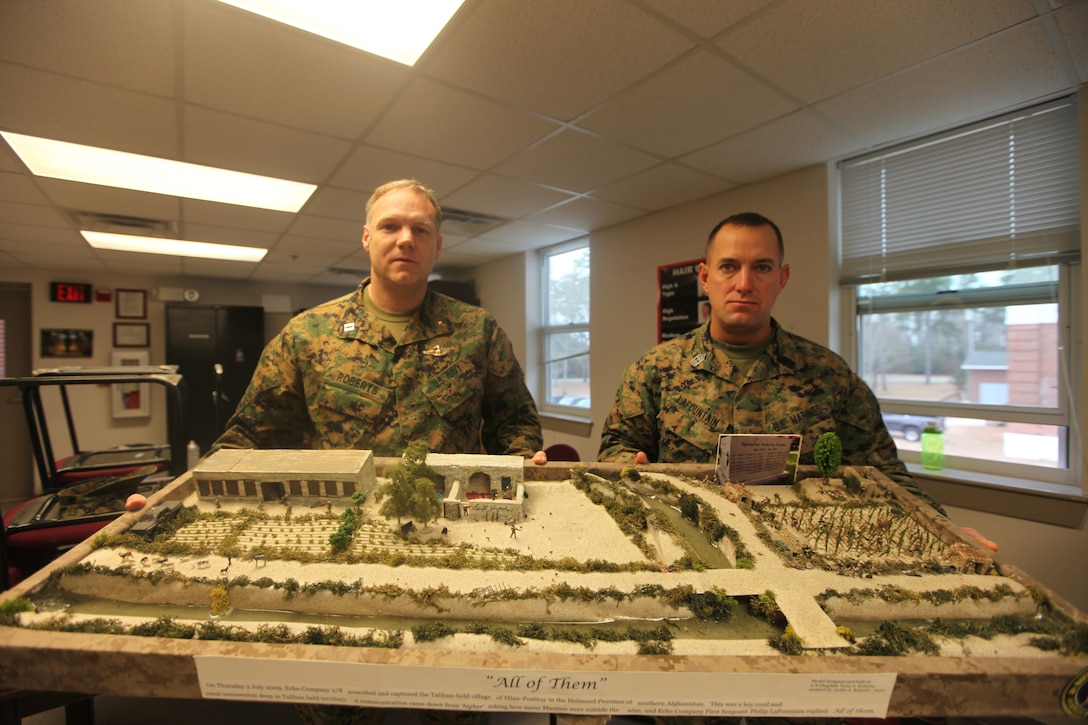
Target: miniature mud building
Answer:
pixel 481 487
pixel 269 475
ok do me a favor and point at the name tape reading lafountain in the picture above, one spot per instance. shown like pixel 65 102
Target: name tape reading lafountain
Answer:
pixel 551 691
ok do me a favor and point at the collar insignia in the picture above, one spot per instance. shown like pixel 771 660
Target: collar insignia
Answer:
pixel 436 350
pixel 697 359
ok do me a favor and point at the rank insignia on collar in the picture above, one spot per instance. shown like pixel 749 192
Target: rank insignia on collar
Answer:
pixel 436 350
pixel 347 327
pixel 697 359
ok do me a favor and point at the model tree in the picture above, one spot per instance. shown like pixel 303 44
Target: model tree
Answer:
pixel 828 454
pixel 410 488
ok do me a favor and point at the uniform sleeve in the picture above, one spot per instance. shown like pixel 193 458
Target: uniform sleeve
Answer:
pixel 631 425
pixel 272 413
pixel 511 425
pixel 867 442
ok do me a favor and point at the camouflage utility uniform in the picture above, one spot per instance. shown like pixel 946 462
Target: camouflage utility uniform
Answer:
pixel 336 378
pixel 675 401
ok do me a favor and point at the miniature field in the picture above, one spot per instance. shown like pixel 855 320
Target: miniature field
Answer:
pixel 650 564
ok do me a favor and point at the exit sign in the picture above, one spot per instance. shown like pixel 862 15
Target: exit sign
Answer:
pixel 69 292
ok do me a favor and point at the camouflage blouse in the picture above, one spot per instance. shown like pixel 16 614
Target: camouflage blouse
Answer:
pixel 336 378
pixel 675 401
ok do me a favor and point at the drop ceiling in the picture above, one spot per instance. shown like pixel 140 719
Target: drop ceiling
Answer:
pixel 547 118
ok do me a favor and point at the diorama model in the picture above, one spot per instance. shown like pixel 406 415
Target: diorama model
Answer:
pixel 464 553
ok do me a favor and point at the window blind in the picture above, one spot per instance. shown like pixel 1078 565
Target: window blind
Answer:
pixel 998 194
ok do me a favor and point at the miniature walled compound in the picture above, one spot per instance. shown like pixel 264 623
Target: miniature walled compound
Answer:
pixel 480 487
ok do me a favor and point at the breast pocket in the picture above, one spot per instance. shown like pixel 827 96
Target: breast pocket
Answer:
pixel 342 412
pixel 454 390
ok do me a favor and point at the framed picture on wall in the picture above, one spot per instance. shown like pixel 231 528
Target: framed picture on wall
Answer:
pixel 130 400
pixel 131 334
pixel 131 304
pixel 67 343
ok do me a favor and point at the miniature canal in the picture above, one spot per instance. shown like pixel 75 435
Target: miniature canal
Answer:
pixel 741 626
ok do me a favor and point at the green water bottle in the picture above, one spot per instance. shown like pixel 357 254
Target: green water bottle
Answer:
pixel 932 447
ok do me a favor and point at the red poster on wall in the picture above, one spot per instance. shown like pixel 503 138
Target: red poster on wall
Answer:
pixel 681 302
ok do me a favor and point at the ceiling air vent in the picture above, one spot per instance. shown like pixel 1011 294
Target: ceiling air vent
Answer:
pixel 461 223
pixel 120 224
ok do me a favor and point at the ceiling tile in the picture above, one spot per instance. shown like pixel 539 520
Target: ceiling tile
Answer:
pixel 65 109
pixel 979 81
pixel 338 203
pixel 291 244
pixel 504 198
pixel 216 268
pixel 585 213
pixel 315 226
pixel 106 200
pixel 369 167
pixel 41 235
pixel 456 127
pixel 707 18
pixel 94 41
pixel 662 187
pixel 210 213
pixel 21 188
pixel 225 235
pixel 792 142
pixel 225 141
pixel 828 47
pixel 523 235
pixel 689 104
pixel 38 215
pixel 238 62
pixel 534 55
pixel 576 161
pixel 1073 23
pixel 142 264
pixel 309 263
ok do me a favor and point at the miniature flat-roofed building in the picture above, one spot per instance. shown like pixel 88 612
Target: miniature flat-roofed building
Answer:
pixel 269 475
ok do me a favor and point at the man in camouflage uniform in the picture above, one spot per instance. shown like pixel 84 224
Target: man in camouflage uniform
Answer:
pixel 393 361
pixel 743 373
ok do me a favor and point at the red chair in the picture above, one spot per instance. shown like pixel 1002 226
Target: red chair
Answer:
pixel 562 452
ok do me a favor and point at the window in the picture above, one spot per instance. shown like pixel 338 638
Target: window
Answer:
pixel 565 329
pixel 960 255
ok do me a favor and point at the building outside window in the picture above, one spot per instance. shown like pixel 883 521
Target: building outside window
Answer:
pixel 565 328
pixel 960 260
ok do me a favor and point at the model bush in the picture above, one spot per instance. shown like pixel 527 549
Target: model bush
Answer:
pixel 828 454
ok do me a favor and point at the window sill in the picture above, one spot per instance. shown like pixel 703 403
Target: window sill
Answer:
pixel 566 423
pixel 1049 503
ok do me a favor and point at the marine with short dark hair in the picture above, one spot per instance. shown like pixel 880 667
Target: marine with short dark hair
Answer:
pixel 742 372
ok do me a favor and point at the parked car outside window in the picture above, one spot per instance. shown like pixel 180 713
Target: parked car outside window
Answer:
pixel 910 426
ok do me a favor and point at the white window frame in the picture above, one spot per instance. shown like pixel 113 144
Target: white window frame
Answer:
pixel 909 262
pixel 1067 296
pixel 546 330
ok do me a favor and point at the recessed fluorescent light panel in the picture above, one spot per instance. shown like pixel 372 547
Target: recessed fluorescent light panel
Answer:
pixel 91 165
pixel 399 30
pixel 173 247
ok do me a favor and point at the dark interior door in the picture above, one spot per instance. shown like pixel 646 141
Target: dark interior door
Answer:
pixel 202 340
